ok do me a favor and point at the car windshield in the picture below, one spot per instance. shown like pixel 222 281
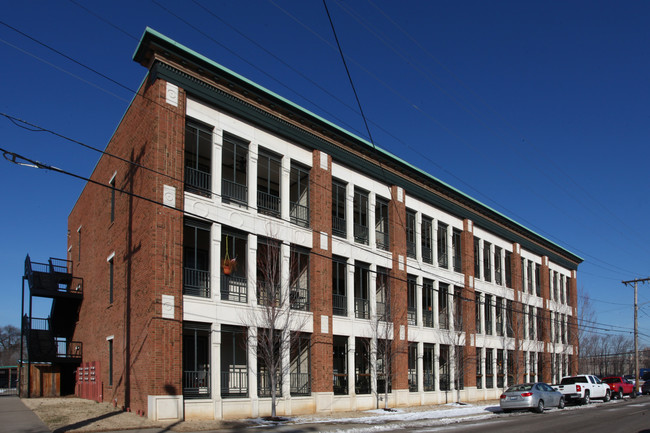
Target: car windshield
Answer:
pixel 611 380
pixel 517 388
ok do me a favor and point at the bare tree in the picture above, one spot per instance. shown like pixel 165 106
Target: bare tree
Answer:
pixel 9 345
pixel 278 320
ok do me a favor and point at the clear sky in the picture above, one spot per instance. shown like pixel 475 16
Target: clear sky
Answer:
pixel 539 109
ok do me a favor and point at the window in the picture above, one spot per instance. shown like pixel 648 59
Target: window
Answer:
pixel 362 366
pixel 427 240
pixel 269 358
pixel 499 316
pixel 382 292
pixel 538 324
pixel 457 250
pixel 498 272
pixel 361 287
pixel 196 360
pixel 300 368
pixel 410 233
pixel 339 225
pixel 443 261
pixel 479 368
pixel 568 290
pixel 234 251
pixel 443 304
pixel 487 257
pixel 428 358
pixel 500 369
pixel 339 284
pixel 234 170
pixel 477 311
pixel 381 224
pixel 538 287
pixel 111 184
pixel 510 331
pixel 196 257
pixel 531 322
pixel 556 296
pixel 510 367
pixel 489 368
pixel 477 258
pixel 508 266
pixel 529 276
pixel 411 288
pixel 110 361
pixel 532 367
pixel 427 303
pixel 562 292
pixel 458 309
pixel 198 159
pixel 360 216
pixel 299 195
pixel 234 362
pixel 111 277
pixel 459 379
pixel 299 279
pixel 268 272
pixel 488 314
pixel 340 364
pixel 269 168
pixel 443 370
pixel 413 367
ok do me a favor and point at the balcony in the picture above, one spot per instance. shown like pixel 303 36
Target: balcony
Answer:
pixel 196 384
pixel 339 227
pixel 53 279
pixel 234 382
pixel 300 383
pixel 234 289
pixel 382 240
pixel 268 204
pixel 234 192
pixel 197 181
pixel 361 234
pixel 361 308
pixel 339 305
pixel 196 282
pixel 410 249
pixel 300 214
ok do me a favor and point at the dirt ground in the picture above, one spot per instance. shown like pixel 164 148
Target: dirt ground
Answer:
pixel 71 414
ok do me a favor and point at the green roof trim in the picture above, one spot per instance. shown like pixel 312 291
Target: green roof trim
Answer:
pixel 151 35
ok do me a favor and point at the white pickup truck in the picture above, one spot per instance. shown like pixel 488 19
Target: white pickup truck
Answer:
pixel 583 388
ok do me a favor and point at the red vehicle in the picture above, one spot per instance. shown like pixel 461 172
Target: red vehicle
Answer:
pixel 619 386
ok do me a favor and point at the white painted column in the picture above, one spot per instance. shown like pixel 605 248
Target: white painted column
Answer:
pixel 285 181
pixel 215 261
pixel 251 269
pixel 349 286
pixel 436 322
pixel 418 236
pixel 215 367
pixel 252 175
pixel 349 212
pixel 252 369
pixel 420 366
pixel 418 302
pixel 372 234
pixel 217 149
pixel 351 366
pixel 436 366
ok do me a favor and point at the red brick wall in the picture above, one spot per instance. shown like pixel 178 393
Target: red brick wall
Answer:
pixel 320 269
pixel 469 308
pixel 147 241
pixel 398 287
pixel 546 316
pixel 573 323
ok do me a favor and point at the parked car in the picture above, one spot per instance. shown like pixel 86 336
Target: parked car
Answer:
pixel 583 388
pixel 619 386
pixel 531 396
pixel 631 378
pixel 645 389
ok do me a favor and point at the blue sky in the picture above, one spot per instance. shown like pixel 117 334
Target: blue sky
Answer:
pixel 537 109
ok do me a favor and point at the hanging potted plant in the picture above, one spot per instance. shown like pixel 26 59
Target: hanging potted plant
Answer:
pixel 228 264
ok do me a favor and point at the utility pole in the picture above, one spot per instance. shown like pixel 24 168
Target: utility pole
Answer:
pixel 636 330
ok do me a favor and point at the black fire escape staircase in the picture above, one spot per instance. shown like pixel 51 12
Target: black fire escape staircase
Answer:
pixel 49 340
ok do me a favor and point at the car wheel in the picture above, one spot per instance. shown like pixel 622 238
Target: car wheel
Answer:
pixel 586 400
pixel 619 394
pixel 633 395
pixel 561 404
pixel 540 406
pixel 607 396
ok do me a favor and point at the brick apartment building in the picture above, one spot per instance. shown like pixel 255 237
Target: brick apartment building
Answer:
pixel 468 299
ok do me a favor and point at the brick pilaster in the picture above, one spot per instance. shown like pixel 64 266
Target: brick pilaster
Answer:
pixel 572 286
pixel 545 285
pixel 320 270
pixel 398 287
pixel 469 308
pixel 518 317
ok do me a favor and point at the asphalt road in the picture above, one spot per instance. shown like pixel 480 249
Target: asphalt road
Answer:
pixel 629 416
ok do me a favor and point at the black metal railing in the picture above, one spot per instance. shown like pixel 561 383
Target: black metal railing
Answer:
pixel 38 324
pixel 339 305
pixel 300 383
pixel 68 349
pixel 58 276
pixel 445 384
pixel 196 383
pixel 413 380
pixel 427 319
pixel 410 249
pixel 427 255
pixel 299 214
pixel 339 227
pixel 429 381
pixel 383 311
pixel 268 204
pixel 196 282
pixel 233 191
pixel 234 288
pixel 361 234
pixel 234 382
pixel 382 240
pixel 340 384
pixel 457 263
pixel 411 316
pixel 264 384
pixel 299 297
pixel 198 181
pixel 442 259
pixel 362 383
pixel 361 308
